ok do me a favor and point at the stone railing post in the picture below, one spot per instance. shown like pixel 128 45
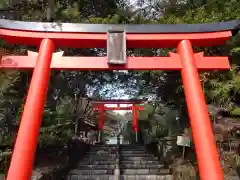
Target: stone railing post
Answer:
pixel 117 169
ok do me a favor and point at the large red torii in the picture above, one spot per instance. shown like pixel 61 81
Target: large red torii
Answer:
pixel 100 106
pixel 116 38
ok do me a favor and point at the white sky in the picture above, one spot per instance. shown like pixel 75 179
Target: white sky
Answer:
pixel 122 112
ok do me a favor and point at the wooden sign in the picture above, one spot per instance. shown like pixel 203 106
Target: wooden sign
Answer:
pixel 183 141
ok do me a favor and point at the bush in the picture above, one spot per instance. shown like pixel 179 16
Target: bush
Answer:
pixel 5 158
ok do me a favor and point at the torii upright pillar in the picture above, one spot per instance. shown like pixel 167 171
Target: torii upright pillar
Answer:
pixel 198 114
pixel 100 122
pixel 27 138
pixel 135 126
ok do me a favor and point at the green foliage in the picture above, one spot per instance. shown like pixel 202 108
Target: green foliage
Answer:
pixel 236 49
pixel 220 88
pixel 147 113
pixel 4 161
pixel 236 112
pixel 55 135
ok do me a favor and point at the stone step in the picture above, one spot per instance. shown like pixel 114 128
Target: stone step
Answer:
pixel 155 162
pixel 95 154
pixel 156 171
pixel 91 172
pixel 146 177
pixel 92 162
pixel 100 153
pixel 92 167
pixel 131 145
pixel 103 147
pixel 137 155
pixel 133 148
pixel 133 151
pixel 98 158
pixel 122 177
pixel 88 177
pixel 138 158
pixel 141 166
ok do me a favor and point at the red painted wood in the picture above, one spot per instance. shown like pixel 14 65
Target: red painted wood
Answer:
pixel 27 138
pixel 101 118
pixel 100 63
pixel 119 108
pixel 117 101
pixel 134 120
pixel 207 155
pixel 91 40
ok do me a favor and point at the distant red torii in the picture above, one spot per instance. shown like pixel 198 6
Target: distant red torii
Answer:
pixel 100 106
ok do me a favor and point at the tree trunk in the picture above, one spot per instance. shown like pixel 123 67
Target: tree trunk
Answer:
pixel 50 10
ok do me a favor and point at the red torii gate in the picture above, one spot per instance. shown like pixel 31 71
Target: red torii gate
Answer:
pixel 48 36
pixel 100 106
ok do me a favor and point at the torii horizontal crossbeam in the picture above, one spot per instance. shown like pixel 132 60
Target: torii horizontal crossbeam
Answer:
pixel 117 101
pixel 140 108
pixel 129 28
pixel 90 40
pixel 172 62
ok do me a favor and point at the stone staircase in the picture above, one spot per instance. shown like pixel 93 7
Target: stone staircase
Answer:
pixel 97 164
pixel 136 163
pixel 124 162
